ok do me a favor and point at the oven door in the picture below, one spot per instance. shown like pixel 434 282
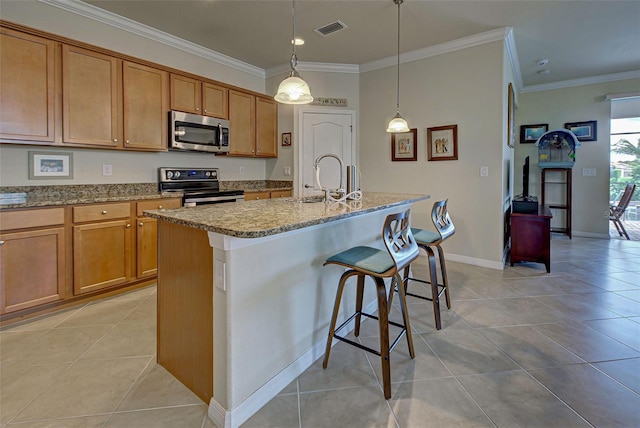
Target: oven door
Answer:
pixel 198 133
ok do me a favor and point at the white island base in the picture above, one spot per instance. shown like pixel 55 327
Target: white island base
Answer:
pixel 267 315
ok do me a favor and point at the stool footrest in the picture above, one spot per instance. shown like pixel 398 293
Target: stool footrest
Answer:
pixel 440 291
pixel 366 348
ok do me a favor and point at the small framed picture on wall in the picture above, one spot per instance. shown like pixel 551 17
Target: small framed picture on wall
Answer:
pixel 286 139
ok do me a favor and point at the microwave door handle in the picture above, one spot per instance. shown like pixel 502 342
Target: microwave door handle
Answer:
pixel 219 135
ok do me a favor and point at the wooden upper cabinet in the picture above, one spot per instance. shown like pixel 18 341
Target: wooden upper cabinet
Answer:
pixel 198 97
pixel 242 118
pixel 186 94
pixel 27 87
pixel 145 107
pixel 266 127
pixel 215 100
pixel 90 102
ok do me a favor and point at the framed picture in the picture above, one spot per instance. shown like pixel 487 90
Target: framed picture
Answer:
pixel 286 138
pixel 404 145
pixel 585 131
pixel 442 143
pixel 511 121
pixel 50 165
pixel 531 133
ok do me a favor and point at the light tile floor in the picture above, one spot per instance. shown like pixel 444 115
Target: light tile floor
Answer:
pixel 520 347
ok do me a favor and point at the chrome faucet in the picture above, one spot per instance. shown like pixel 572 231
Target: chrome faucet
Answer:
pixel 316 166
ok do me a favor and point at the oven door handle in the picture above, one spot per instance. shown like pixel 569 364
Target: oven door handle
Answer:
pixel 214 199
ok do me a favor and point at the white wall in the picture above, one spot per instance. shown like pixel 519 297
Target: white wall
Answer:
pixel 575 104
pixel 462 88
pixel 128 167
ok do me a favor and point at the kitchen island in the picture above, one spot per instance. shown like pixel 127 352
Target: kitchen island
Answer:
pixel 244 302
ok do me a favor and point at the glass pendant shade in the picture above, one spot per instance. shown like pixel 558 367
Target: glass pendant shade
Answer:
pixel 293 90
pixel 398 124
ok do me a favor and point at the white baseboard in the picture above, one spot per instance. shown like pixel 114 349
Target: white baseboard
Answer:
pixel 474 261
pixel 235 417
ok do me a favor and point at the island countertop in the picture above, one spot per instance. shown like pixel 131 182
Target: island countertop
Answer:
pixel 257 219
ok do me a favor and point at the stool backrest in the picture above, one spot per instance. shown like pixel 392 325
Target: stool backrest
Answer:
pixel 397 237
pixel 441 220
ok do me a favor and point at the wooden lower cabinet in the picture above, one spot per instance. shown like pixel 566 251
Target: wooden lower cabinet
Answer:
pixel 147 235
pixel 253 196
pixel 32 268
pixel 101 255
pixel 281 194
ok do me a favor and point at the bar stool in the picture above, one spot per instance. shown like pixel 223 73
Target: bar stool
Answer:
pixel 428 240
pixel 402 249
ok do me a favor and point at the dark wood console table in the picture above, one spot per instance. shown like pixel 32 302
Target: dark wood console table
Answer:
pixel 531 237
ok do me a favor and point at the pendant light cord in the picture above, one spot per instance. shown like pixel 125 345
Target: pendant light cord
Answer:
pixel 294 58
pixel 398 2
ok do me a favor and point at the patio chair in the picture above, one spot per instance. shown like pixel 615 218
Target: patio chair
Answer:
pixel 616 212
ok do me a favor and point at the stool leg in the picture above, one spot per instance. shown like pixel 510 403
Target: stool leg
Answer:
pixel 405 314
pixel 445 280
pixel 433 274
pixel 383 321
pixel 334 317
pixel 359 296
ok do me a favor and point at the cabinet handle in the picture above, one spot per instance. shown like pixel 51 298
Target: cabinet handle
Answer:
pixel 104 212
pixel 128 226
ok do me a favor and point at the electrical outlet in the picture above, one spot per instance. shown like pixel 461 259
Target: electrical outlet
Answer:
pixel 484 171
pixel 287 170
pixel 589 172
pixel 241 170
pixel 220 275
pixel 107 169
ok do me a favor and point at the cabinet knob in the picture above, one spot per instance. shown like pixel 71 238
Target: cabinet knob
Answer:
pixel 197 108
pixel 205 110
pixel 159 207
pixel 140 224
pixel 115 140
pixel 128 226
pixel 127 141
pixel 1 242
pixel 104 212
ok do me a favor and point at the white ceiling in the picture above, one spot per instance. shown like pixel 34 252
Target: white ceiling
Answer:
pixel 581 39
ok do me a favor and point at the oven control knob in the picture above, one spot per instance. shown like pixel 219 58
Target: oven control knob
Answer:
pixel 207 174
pixel 176 174
pixel 169 174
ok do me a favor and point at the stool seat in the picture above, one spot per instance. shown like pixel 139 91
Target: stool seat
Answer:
pixel 425 237
pixel 366 259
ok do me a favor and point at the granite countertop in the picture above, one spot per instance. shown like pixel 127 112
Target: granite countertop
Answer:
pixel 256 219
pixel 45 196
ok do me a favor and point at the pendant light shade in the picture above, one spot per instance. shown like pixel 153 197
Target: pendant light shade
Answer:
pixel 293 90
pixel 398 124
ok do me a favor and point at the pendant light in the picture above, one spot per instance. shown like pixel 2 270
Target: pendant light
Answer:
pixel 293 90
pixel 398 124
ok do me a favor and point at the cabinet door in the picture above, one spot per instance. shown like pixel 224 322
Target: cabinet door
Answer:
pixel 32 268
pixel 90 103
pixel 242 114
pixel 215 100
pixel 146 106
pixel 186 94
pixel 266 127
pixel 147 247
pixel 26 87
pixel 101 255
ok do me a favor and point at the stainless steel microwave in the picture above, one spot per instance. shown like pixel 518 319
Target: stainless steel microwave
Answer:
pixel 198 133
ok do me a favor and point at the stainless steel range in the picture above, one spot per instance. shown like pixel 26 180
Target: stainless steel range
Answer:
pixel 199 185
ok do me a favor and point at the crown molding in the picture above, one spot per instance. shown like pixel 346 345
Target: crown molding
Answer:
pixel 100 15
pixel 442 48
pixel 580 82
pixel 512 56
pixel 314 66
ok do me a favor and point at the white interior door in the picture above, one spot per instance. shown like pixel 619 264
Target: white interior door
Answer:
pixel 324 131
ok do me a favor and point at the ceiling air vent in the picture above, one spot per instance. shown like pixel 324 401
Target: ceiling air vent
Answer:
pixel 325 30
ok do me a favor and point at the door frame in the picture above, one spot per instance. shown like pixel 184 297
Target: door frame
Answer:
pixel 298 126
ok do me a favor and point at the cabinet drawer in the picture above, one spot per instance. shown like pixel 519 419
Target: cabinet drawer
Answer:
pixel 156 204
pixel 25 219
pixel 253 196
pixel 281 194
pixel 101 212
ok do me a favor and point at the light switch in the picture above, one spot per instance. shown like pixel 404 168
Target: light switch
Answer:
pixel 589 172
pixel 241 170
pixel 107 169
pixel 287 170
pixel 484 171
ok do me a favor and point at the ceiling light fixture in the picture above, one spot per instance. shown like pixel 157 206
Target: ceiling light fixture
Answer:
pixel 398 124
pixel 293 90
